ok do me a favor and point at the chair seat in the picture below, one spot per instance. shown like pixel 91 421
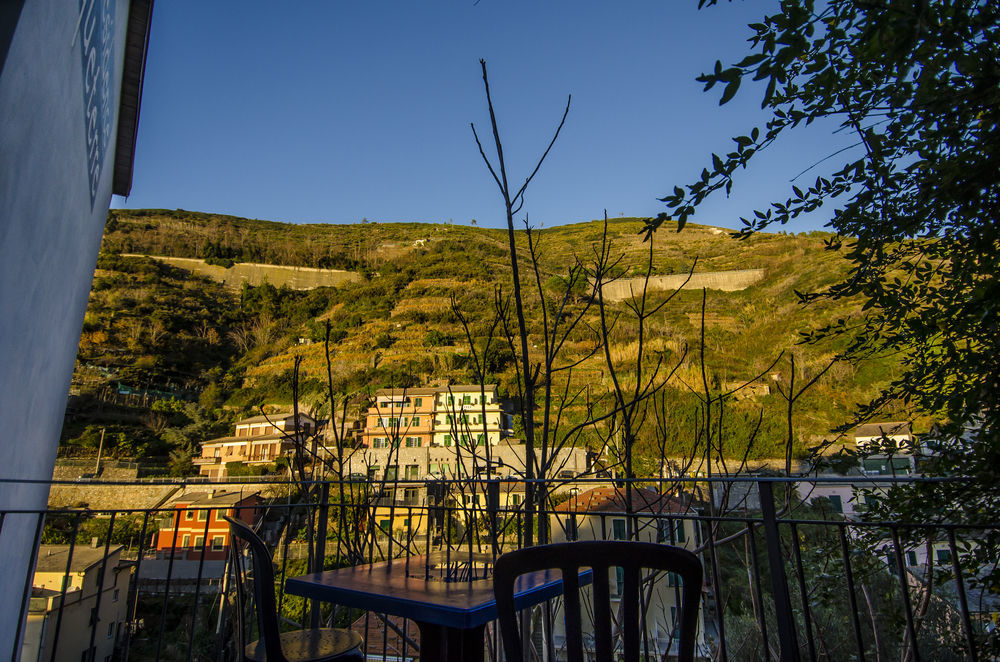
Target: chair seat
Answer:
pixel 320 645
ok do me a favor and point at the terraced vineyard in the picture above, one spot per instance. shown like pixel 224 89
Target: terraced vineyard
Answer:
pixel 400 322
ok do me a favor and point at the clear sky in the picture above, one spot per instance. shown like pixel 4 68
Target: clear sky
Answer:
pixel 329 111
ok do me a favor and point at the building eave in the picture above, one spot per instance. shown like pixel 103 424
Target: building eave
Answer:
pixel 133 71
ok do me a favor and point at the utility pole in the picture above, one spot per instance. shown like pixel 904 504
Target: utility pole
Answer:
pixel 100 447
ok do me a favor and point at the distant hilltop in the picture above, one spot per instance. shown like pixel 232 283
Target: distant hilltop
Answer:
pixel 296 278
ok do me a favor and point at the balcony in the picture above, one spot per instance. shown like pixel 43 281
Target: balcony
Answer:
pixel 785 579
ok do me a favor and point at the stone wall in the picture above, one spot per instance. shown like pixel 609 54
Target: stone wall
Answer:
pixel 726 281
pixel 297 278
pixel 104 491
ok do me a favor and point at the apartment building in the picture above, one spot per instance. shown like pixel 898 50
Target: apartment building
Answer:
pixel 443 416
pixel 78 605
pixel 196 529
pixel 259 440
pixel 400 418
pixel 469 415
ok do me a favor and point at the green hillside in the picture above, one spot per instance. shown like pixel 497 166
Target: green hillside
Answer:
pixel 154 327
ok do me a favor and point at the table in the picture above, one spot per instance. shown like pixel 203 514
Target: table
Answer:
pixel 451 615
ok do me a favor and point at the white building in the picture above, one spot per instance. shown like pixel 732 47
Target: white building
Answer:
pixel 600 514
pixel 469 416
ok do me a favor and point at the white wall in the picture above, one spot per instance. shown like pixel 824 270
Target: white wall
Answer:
pixel 51 221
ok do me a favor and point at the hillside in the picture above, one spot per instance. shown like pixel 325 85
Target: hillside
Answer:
pixel 154 326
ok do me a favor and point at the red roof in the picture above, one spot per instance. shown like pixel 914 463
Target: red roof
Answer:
pixel 612 499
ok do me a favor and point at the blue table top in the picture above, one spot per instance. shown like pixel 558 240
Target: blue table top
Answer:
pixel 395 587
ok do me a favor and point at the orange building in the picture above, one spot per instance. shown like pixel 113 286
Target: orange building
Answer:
pixel 400 418
pixel 196 530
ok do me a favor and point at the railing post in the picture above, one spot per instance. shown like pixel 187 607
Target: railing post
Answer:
pixel 492 510
pixel 789 646
pixel 319 550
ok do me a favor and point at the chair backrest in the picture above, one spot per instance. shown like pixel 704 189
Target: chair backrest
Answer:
pixel 259 577
pixel 601 556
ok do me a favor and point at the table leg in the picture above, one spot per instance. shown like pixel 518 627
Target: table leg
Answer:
pixel 439 643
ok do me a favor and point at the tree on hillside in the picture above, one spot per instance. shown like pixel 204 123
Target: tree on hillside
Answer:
pixel 913 203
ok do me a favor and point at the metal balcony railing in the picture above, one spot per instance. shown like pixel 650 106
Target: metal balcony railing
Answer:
pixel 787 576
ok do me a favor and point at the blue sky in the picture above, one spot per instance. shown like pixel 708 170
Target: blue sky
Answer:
pixel 338 111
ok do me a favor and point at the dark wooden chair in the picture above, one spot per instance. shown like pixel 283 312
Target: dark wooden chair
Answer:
pixel 602 556
pixel 255 584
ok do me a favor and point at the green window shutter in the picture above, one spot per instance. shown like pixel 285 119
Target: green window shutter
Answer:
pixel 618 529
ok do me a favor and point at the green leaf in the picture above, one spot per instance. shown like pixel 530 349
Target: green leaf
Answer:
pixel 730 91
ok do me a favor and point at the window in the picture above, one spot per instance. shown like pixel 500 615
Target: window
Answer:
pixel 186 541
pixel 434 468
pixel 618 529
pixel 199 542
pixel 373 472
pixel 385 525
pixel 418 402
pixel 111 630
pixel 114 596
pixel 392 473
pixel 673 579
pixel 218 543
pixel 481 439
pixel 413 442
pixel 670 531
pixel 412 471
pixel 515 499
pixel 189 515
pixel 202 515
pixel 619 577
pixel 836 503
pixel 466 400
pixel 447 440
pixel 415 420
pixel 911 558
pixel 943 555
pixel 411 496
